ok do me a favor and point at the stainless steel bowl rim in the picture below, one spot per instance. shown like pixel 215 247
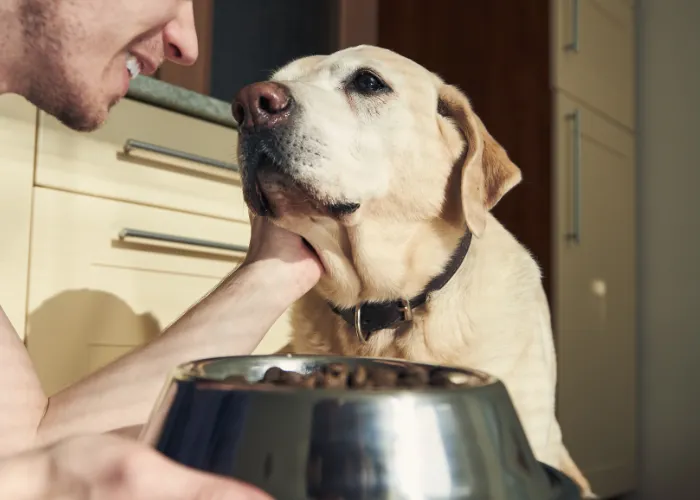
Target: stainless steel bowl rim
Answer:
pixel 188 372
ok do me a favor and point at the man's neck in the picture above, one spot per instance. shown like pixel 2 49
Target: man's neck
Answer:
pixel 12 47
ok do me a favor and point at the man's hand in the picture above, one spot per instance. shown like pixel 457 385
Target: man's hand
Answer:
pixel 111 468
pixel 284 256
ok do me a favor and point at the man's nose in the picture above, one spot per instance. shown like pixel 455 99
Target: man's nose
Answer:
pixel 180 37
pixel 262 105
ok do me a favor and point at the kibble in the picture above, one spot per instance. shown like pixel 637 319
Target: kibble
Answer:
pixel 362 377
pixel 273 375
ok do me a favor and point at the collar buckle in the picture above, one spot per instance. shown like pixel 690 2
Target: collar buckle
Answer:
pixel 405 308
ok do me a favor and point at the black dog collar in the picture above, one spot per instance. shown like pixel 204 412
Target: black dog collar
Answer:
pixel 370 317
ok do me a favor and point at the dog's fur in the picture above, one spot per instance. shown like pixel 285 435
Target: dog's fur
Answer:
pixel 422 167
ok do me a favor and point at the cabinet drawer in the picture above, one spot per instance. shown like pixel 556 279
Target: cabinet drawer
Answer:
pixel 594 56
pixel 148 155
pixel 93 295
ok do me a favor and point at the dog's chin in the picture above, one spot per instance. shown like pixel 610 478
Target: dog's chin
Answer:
pixel 276 195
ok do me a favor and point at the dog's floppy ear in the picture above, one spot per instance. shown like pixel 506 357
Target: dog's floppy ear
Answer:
pixel 487 171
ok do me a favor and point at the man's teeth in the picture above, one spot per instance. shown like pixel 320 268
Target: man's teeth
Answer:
pixel 133 66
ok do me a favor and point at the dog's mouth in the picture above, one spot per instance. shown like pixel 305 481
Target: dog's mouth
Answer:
pixel 272 189
pixel 258 202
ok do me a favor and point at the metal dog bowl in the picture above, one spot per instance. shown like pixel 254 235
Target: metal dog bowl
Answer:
pixel 399 443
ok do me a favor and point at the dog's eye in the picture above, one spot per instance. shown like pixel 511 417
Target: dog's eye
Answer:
pixel 367 82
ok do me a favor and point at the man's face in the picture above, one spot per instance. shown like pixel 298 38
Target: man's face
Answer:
pixel 83 53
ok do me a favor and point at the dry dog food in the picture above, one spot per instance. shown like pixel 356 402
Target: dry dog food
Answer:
pixel 339 375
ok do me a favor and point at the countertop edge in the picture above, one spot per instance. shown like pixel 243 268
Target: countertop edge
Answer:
pixel 152 91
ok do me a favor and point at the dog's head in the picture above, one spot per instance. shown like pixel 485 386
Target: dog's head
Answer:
pixel 366 138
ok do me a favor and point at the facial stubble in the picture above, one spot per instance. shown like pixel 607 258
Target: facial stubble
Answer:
pixel 49 84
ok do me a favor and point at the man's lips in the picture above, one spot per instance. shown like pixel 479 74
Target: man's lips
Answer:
pixel 149 65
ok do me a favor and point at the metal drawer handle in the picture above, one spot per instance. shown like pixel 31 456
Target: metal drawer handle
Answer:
pixel 573 46
pixel 148 235
pixel 575 235
pixel 131 144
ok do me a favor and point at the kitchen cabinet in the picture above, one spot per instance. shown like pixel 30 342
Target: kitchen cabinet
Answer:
pixel 554 82
pixel 595 261
pixel 17 139
pixel 147 155
pixel 99 285
pixel 594 237
pixel 593 55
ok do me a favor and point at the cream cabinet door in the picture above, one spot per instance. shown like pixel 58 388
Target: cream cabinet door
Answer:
pixel 17 137
pixel 595 294
pixel 594 55
pixel 95 294
pixel 149 155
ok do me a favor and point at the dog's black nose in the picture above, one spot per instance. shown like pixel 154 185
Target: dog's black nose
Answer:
pixel 262 105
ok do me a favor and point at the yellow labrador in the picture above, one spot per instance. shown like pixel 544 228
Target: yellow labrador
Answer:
pixel 390 176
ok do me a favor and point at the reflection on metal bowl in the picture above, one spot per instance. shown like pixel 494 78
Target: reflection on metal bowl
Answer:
pixel 426 442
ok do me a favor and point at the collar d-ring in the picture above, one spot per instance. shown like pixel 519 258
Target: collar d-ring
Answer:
pixel 358 325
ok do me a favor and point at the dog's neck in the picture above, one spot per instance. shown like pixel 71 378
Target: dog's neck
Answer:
pixel 383 262
pixel 369 317
pixel 376 261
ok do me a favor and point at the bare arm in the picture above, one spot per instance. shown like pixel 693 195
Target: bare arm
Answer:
pixel 230 321
pixel 22 401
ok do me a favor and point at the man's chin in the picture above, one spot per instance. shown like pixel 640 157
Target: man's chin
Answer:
pixel 83 119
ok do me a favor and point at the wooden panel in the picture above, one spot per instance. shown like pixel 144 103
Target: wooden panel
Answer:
pixel 498 53
pixel 93 296
pixel 95 163
pixel 357 22
pixel 595 297
pixel 17 137
pixel 602 72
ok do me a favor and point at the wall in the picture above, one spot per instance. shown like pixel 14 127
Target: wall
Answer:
pixel 669 245
pixel 253 38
